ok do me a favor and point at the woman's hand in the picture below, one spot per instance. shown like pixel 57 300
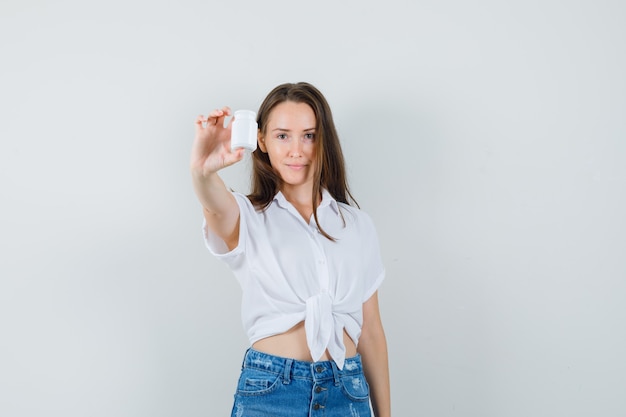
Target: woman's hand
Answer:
pixel 210 153
pixel 211 147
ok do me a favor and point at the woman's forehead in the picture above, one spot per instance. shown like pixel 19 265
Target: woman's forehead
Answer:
pixel 290 114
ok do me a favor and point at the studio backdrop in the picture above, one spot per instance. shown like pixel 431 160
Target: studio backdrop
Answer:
pixel 485 139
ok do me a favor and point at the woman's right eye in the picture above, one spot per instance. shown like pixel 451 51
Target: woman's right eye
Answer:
pixel 281 136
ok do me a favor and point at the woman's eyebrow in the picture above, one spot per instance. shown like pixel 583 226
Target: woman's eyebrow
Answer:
pixel 281 129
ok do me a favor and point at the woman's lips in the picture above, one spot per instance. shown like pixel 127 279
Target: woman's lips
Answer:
pixel 296 167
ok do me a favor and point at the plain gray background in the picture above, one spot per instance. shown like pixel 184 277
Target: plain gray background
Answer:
pixel 486 139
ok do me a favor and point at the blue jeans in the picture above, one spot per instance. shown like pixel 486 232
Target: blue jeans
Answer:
pixel 271 386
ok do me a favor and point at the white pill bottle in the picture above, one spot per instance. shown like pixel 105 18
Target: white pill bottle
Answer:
pixel 244 130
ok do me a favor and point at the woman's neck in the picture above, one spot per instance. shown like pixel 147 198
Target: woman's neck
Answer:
pixel 300 198
pixel 298 195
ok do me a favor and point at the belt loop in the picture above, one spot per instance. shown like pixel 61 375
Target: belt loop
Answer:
pixel 335 373
pixel 287 373
pixel 245 356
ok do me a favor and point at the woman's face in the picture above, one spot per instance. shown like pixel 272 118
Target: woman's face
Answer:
pixel 289 141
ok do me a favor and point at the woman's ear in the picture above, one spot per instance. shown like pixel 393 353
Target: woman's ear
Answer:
pixel 261 141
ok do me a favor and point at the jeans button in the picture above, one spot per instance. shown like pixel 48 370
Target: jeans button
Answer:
pixel 319 368
pixel 318 389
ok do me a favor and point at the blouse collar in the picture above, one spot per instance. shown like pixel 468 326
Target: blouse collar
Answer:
pixel 327 200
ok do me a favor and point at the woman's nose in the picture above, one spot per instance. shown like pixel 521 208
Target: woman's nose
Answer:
pixel 295 148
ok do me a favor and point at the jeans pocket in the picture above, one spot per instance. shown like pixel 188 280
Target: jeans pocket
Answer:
pixel 257 382
pixel 355 387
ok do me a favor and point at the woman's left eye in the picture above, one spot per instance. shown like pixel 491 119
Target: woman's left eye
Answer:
pixel 309 136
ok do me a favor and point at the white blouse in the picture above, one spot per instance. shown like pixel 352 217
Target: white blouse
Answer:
pixel 290 272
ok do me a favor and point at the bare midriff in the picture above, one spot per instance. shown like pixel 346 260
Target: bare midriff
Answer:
pixel 292 344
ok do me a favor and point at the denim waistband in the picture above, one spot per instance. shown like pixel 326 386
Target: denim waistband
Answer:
pixel 294 368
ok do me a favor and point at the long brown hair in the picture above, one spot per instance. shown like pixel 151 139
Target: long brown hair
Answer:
pixel 330 172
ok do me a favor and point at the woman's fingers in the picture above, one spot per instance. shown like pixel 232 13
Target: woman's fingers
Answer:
pixel 233 157
pixel 200 123
pixel 217 116
pixel 214 119
pixel 211 148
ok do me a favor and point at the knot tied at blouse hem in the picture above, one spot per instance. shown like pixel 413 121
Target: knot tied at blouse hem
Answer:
pixel 322 330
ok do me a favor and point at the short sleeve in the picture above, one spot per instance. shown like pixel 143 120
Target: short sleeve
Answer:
pixel 217 246
pixel 375 268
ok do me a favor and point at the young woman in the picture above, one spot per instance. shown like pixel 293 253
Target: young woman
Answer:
pixel 307 260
